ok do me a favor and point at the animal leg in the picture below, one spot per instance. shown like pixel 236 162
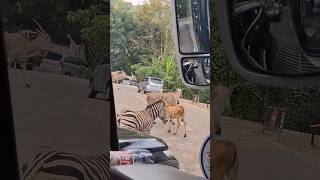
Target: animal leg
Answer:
pixel 184 126
pixel 178 126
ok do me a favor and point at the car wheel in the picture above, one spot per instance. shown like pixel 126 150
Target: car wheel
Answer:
pixel 67 73
pixel 92 93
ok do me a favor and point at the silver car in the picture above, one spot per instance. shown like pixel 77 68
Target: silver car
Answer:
pixel 150 84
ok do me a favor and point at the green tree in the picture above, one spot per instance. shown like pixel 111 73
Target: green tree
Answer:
pixel 93 28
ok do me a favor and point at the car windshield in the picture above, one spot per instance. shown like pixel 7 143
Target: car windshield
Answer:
pixel 156 81
pixel 54 56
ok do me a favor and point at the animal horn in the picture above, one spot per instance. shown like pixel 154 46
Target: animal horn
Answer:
pixel 40 27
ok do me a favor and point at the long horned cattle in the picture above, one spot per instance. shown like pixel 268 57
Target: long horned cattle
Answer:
pixel 25 44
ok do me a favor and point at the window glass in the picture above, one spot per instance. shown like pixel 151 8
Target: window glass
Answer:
pixel 54 108
pixel 157 81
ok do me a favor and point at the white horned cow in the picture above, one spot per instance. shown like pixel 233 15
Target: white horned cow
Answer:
pixel 25 44
pixel 171 98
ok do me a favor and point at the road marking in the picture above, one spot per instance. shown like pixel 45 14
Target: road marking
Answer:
pixel 97 117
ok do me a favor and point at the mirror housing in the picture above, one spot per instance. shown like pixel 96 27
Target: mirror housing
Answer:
pixel 190 29
pixel 196 71
pixel 286 65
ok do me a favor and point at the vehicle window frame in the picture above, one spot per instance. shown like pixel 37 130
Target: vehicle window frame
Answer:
pixel 7 126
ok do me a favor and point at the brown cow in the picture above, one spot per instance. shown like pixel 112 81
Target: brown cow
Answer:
pixel 225 160
pixel 175 113
pixel 170 97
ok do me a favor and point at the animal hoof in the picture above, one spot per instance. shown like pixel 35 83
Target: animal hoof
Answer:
pixel 174 133
pixel 169 131
pixel 185 135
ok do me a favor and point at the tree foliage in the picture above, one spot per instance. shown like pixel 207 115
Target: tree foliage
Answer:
pixel 141 43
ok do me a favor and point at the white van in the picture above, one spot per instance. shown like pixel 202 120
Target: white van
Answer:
pixel 150 84
pixel 61 63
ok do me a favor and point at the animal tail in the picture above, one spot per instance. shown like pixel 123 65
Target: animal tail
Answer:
pixel 234 170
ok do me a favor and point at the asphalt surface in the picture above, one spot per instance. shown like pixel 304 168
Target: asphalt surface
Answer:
pixel 55 114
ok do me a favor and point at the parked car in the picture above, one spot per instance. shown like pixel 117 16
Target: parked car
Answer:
pixel 129 139
pixel 100 80
pixel 129 80
pixel 150 84
pixel 61 63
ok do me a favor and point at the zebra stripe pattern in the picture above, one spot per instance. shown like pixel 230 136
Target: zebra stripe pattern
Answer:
pixel 141 120
pixel 67 166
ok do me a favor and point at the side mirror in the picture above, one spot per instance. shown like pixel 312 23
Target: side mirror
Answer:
pixel 275 43
pixel 190 23
pixel 196 71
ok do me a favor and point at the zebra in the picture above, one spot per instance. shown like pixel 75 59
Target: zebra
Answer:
pixel 141 120
pixel 64 165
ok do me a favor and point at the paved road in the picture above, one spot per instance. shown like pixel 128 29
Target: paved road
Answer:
pixel 185 149
pixel 55 113
pixel 265 159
